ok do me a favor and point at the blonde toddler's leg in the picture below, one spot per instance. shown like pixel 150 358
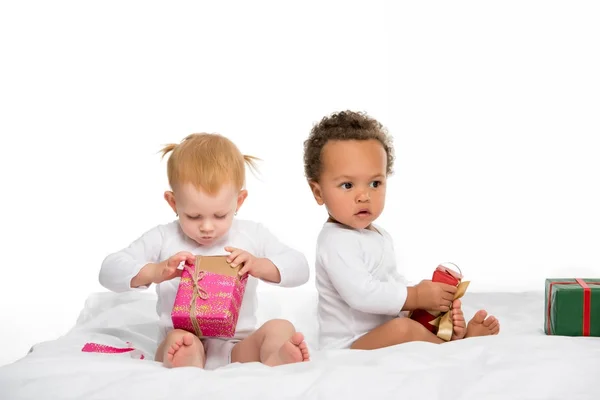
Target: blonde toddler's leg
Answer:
pixel 181 349
pixel 274 343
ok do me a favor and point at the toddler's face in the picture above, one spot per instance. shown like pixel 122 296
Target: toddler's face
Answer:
pixel 352 182
pixel 205 218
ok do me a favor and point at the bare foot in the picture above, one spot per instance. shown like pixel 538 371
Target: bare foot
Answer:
pixel 293 351
pixel 479 325
pixel 185 352
pixel 458 321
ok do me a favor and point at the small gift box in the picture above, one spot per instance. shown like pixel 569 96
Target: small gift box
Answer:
pixel 437 322
pixel 209 297
pixel 572 307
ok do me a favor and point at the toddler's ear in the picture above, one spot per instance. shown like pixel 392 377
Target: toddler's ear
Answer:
pixel 241 198
pixel 170 198
pixel 316 191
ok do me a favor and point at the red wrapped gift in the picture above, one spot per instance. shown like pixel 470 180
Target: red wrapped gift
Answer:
pixel 437 322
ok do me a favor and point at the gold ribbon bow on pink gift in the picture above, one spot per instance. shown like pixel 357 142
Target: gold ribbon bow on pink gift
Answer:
pixel 197 292
pixel 444 320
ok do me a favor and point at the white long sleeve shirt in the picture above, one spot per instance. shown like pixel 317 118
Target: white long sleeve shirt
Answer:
pixel 358 283
pixel 164 241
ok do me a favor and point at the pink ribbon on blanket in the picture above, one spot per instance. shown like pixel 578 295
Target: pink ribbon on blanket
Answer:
pixel 102 348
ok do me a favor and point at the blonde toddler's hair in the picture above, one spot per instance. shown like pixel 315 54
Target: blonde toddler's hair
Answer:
pixel 207 161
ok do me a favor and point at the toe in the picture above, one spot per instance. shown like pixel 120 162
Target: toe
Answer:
pixel 305 352
pixel 489 321
pixel 479 317
pixel 188 339
pixel 297 338
pixel 495 326
pixel 456 304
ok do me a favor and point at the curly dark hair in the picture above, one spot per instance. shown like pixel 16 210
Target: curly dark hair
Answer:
pixel 343 125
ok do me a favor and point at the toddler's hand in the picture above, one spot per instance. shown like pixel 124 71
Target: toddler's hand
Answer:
pixel 435 296
pixel 167 269
pixel 239 256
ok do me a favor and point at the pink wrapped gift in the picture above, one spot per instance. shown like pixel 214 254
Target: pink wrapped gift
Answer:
pixel 209 297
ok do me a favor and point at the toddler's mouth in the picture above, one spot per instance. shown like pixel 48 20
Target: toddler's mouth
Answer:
pixel 363 213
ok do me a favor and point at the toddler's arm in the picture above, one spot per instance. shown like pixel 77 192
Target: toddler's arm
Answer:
pixel 291 264
pixel 342 258
pixel 119 268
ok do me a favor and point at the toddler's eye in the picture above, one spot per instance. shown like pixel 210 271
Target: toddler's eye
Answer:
pixel 375 184
pixel 220 216
pixel 346 185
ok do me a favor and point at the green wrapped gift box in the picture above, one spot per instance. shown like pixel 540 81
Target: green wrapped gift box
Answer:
pixel 572 307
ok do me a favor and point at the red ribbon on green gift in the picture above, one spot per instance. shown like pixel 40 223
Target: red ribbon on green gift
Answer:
pixel 587 302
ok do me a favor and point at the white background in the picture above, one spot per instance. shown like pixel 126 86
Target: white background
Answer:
pixel 494 110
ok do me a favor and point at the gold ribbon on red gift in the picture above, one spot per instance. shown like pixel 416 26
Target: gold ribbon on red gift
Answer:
pixel 197 292
pixel 444 320
pixel 587 303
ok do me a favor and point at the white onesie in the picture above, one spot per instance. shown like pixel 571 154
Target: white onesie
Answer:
pixel 164 241
pixel 358 283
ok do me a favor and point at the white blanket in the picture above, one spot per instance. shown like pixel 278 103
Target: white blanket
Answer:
pixel 520 363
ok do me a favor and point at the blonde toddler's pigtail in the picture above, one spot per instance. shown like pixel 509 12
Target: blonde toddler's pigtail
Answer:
pixel 167 149
pixel 251 161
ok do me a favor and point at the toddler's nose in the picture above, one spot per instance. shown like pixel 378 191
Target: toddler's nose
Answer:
pixel 363 197
pixel 206 227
